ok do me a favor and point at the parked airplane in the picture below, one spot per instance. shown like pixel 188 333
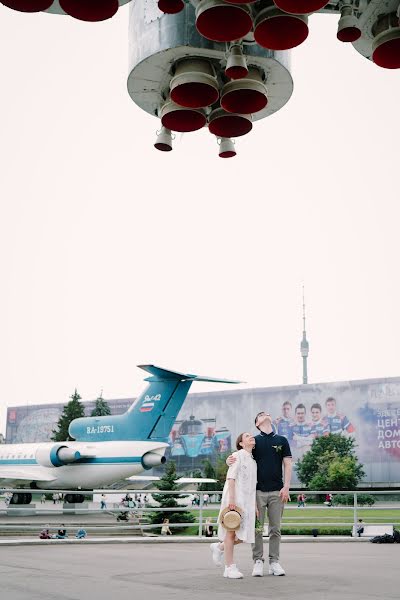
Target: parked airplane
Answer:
pixel 105 449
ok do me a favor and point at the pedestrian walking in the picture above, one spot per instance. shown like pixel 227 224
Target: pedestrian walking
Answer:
pixel 165 530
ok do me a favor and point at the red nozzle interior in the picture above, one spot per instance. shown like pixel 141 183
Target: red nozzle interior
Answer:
pixel 227 154
pixel 183 120
pixel 90 10
pixel 387 55
pixel 281 33
pixel 230 126
pixel 224 23
pixel 194 95
pixel 244 102
pixel 236 72
pixel 300 7
pixel 171 7
pixel 28 5
pixel 348 34
pixel 163 147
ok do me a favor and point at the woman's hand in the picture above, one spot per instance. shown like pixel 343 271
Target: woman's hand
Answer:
pixel 257 513
pixel 232 504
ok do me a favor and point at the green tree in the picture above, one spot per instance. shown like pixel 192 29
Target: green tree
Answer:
pixel 73 410
pixel 209 473
pixel 167 482
pixel 330 464
pixel 101 408
pixel 221 469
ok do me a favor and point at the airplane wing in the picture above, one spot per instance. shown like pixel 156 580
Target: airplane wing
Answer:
pixel 142 478
pixel 195 480
pixel 16 475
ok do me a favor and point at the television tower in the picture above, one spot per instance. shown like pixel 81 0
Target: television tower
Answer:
pixel 304 347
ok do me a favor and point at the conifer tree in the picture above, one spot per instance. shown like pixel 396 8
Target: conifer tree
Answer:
pixel 101 408
pixel 73 410
pixel 209 473
pixel 167 482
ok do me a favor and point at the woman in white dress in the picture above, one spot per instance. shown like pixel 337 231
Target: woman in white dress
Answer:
pixel 240 490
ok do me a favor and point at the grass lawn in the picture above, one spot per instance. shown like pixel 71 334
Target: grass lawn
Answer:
pixel 302 515
pixel 296 520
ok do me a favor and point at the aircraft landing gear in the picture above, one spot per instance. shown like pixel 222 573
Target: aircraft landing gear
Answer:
pixel 74 498
pixel 21 498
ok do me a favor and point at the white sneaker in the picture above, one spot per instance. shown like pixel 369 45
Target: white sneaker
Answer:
pixel 217 554
pixel 276 569
pixel 258 569
pixel 232 572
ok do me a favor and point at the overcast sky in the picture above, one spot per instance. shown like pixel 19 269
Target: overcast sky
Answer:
pixel 113 254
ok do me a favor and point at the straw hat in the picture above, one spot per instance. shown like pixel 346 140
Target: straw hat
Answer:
pixel 230 519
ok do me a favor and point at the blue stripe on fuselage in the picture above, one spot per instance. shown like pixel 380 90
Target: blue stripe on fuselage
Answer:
pixel 18 461
pixel 109 461
pixel 89 461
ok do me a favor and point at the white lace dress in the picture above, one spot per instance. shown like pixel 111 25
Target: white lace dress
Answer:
pixel 244 472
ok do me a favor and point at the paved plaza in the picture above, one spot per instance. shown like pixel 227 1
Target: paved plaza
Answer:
pixel 320 571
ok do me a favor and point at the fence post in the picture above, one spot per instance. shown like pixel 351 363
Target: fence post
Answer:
pixel 201 514
pixel 355 512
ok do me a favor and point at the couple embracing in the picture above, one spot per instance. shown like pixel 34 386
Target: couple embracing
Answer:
pixel 254 484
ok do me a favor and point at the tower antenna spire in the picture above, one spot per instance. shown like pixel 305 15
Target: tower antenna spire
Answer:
pixel 304 346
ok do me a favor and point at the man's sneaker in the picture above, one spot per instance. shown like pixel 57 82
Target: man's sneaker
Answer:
pixel 232 572
pixel 276 569
pixel 217 554
pixel 258 569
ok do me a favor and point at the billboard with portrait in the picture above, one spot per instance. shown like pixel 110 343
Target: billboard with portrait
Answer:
pixel 368 410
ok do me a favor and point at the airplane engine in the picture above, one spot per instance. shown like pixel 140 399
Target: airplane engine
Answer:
pixel 152 459
pixel 56 455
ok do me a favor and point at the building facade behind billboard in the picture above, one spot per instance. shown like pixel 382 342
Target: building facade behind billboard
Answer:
pixel 36 422
pixel 368 410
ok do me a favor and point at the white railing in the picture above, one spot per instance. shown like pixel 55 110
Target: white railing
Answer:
pixel 201 509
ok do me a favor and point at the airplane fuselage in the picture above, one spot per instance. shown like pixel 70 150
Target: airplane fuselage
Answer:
pixel 100 463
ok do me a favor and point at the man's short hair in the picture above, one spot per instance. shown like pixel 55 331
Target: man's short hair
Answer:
pixel 299 406
pixel 317 405
pixel 287 403
pixel 330 399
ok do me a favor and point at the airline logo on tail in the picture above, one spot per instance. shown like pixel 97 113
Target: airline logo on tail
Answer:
pixel 149 402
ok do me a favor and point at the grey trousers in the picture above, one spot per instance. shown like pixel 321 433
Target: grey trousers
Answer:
pixel 271 502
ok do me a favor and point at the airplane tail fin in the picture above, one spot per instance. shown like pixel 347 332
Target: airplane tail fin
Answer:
pixel 151 416
pixel 176 375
